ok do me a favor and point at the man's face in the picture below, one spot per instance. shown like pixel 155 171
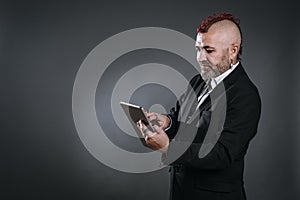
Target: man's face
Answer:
pixel 212 54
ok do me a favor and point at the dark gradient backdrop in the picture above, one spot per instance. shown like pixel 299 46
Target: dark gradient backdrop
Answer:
pixel 42 45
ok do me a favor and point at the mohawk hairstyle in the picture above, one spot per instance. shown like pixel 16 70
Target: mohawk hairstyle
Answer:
pixel 210 20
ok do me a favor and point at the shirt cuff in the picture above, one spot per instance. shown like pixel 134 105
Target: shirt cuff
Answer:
pixel 170 124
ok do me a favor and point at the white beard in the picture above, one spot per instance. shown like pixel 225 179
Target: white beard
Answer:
pixel 207 75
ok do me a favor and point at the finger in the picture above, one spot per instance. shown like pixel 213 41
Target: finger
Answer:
pixel 146 131
pixel 143 128
pixel 160 123
pixel 138 124
pixel 153 116
pixel 143 125
pixel 157 128
pixel 149 140
pixel 150 137
pixel 140 127
pixel 149 114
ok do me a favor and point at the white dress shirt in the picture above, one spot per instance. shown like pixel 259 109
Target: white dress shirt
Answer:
pixel 214 82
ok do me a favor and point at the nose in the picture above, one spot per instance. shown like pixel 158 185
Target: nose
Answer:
pixel 201 56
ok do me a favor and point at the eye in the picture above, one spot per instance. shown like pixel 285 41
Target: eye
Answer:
pixel 197 49
pixel 209 50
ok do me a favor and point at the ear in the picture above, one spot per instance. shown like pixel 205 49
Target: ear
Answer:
pixel 233 51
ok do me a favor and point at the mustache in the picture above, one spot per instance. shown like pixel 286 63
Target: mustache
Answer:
pixel 206 64
pixel 211 66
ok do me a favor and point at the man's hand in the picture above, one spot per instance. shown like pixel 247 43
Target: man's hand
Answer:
pixel 157 140
pixel 161 120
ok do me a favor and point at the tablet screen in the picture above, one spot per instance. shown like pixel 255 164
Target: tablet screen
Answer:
pixel 135 113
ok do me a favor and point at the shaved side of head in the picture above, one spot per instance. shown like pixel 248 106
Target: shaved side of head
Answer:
pixel 227 32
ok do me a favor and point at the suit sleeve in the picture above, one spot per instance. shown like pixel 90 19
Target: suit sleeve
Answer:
pixel 174 112
pixel 242 116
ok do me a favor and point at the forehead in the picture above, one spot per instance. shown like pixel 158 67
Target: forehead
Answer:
pixel 211 39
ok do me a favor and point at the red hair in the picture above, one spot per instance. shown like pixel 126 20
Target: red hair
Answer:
pixel 210 20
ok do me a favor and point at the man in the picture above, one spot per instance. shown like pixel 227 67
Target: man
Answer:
pixel 217 173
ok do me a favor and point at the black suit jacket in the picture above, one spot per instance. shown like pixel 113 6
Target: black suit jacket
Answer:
pixel 213 143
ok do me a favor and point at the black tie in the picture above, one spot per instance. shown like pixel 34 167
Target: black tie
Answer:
pixel 205 90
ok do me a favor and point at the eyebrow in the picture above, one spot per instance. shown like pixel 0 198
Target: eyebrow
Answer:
pixel 205 47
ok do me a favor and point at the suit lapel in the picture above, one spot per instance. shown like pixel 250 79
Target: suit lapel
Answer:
pixel 189 105
pixel 218 92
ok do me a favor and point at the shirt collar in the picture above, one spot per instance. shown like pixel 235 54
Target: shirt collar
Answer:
pixel 215 81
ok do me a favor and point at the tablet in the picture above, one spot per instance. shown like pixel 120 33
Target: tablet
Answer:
pixel 135 113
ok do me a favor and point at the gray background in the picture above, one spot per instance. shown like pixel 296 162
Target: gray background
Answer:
pixel 43 44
